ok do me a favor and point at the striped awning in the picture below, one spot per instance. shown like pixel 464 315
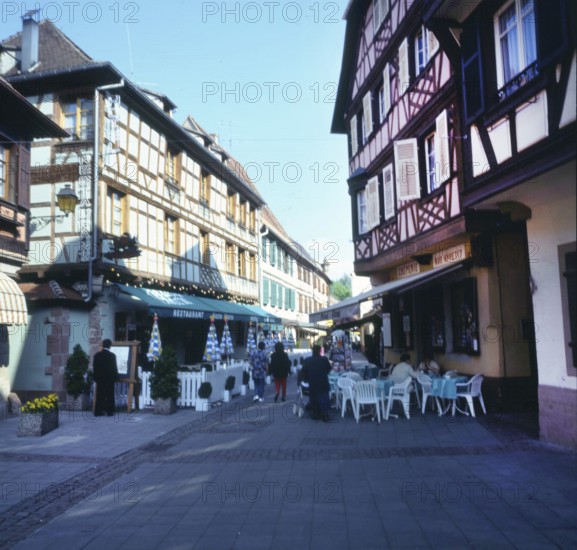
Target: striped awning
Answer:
pixel 12 303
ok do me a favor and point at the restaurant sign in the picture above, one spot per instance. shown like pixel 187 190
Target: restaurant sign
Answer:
pixel 450 255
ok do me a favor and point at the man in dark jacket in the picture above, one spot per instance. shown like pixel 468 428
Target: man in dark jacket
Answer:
pixel 316 373
pixel 280 367
pixel 105 375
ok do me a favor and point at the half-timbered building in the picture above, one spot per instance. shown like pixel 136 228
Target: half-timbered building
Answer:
pixel 454 117
pixel 20 123
pixel 166 223
pixel 443 124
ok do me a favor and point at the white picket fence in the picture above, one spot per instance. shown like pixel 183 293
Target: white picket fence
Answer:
pixel 189 383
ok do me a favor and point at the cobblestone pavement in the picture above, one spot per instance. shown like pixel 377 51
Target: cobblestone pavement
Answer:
pixel 252 476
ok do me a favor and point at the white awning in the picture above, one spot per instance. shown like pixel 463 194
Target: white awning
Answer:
pixel 349 309
pixel 13 309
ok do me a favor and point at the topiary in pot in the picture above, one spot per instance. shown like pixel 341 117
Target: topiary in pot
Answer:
pixel 77 379
pixel 205 390
pixel 229 383
pixel 164 382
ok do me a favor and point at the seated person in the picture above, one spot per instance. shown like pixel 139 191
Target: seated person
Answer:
pixel 429 365
pixel 403 369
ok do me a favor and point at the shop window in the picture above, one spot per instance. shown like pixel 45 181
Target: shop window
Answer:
pixel 433 329
pixel 403 322
pixel 465 317
pixel 568 265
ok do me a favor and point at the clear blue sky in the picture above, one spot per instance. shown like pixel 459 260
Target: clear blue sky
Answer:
pixel 262 75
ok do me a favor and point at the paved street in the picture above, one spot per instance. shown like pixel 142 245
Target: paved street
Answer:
pixel 252 476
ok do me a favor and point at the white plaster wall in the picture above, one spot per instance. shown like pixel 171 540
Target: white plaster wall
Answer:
pixel 552 224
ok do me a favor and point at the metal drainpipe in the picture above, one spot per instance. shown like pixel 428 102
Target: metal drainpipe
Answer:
pixel 260 255
pixel 95 176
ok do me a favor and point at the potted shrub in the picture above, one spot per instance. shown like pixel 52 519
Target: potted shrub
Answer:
pixel 228 387
pixel 39 416
pixel 77 378
pixel 164 382
pixel 204 393
pixel 245 382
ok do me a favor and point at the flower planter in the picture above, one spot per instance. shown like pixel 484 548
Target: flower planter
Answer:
pixel 164 406
pixel 37 424
pixel 202 405
pixel 79 403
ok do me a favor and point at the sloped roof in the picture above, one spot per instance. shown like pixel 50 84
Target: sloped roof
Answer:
pixel 49 292
pixel 55 50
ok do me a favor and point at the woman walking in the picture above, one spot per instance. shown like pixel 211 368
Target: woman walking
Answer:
pixel 280 366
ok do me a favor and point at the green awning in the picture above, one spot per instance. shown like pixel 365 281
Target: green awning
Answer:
pixel 183 306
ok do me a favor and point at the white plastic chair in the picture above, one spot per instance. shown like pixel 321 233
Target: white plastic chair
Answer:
pixel 426 387
pixel 355 376
pixel 366 392
pixel 468 391
pixel 345 385
pixel 398 392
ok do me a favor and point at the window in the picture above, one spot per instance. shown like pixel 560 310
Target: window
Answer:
pixel 568 267
pixel 252 266
pixel 252 220
pixel 78 118
pixel 421 50
pixel 242 255
pixel 171 234
pixel 430 162
pixel 242 214
pixel 205 188
pixel 362 211
pixel 373 203
pixel 4 172
pixel 465 317
pixel 115 211
pixel 515 38
pixel 171 167
pixel 230 260
pixel 231 206
pixel 380 11
pixel 204 248
pixel 385 94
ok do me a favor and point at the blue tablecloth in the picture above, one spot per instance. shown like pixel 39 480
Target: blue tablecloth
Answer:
pixel 385 385
pixel 446 387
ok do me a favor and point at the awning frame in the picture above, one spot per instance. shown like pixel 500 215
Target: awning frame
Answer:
pixel 13 310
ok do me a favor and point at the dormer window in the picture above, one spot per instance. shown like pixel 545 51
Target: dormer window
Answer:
pixel 78 118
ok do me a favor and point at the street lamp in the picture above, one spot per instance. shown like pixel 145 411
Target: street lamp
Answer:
pixel 67 201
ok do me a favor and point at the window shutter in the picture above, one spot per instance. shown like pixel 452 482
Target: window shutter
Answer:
pixel 432 43
pixel 354 136
pixel 265 291
pixel 549 15
pixel 376 15
pixel 273 293
pixel 471 71
pixel 442 144
pixel 23 176
pixel 387 88
pixel 368 114
pixel 388 192
pixel 362 211
pixel 373 211
pixel 263 251
pixel 404 66
pixel 407 169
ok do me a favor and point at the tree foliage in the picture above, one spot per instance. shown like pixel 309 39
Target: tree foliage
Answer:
pixel 342 288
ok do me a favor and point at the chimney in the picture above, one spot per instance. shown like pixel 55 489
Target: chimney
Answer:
pixel 29 41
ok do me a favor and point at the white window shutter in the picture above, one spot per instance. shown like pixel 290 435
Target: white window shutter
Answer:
pixel 354 137
pixel 384 9
pixel 407 169
pixel 432 43
pixel 362 210
pixel 388 192
pixel 404 66
pixel 387 88
pixel 368 113
pixel 376 15
pixel 442 142
pixel 373 210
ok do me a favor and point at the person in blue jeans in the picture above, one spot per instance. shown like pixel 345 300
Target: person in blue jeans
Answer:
pixel 259 362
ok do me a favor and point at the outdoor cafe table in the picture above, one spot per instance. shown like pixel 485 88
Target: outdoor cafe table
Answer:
pixel 446 388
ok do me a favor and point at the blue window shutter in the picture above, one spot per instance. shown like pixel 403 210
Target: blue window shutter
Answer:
pixel 273 293
pixel 265 291
pixel 472 70
pixel 263 251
